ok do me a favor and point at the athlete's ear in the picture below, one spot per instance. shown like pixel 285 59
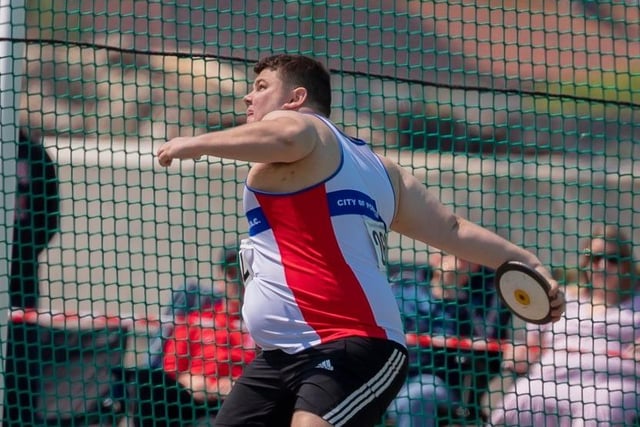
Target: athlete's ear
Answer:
pixel 298 97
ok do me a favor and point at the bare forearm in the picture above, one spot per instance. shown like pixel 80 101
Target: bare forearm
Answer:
pixel 281 139
pixel 268 141
pixel 471 242
pixel 421 216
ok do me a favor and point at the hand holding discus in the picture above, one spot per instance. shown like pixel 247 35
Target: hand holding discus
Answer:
pixel 529 294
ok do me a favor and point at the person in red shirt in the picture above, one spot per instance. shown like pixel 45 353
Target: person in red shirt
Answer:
pixel 208 350
pixel 205 353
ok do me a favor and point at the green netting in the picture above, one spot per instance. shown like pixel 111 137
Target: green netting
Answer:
pixel 520 115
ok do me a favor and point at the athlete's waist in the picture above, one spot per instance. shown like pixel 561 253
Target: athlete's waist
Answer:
pixel 281 323
pixel 290 346
pixel 355 339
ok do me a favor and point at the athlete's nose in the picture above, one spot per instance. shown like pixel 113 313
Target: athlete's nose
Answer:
pixel 247 99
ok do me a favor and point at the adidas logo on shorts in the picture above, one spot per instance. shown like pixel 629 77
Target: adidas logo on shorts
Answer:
pixel 325 364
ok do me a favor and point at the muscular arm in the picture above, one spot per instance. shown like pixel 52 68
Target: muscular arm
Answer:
pixel 421 216
pixel 280 137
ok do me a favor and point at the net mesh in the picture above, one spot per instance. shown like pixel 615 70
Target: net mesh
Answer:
pixel 519 115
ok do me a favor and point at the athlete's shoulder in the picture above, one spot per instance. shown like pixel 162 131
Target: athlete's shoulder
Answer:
pixel 394 170
pixel 292 114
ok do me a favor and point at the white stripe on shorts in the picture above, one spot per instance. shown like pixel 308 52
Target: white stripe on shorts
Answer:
pixel 341 414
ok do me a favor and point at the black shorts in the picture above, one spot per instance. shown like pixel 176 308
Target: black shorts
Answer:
pixel 348 382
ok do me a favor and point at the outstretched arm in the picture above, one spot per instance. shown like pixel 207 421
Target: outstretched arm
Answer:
pixel 280 137
pixel 420 215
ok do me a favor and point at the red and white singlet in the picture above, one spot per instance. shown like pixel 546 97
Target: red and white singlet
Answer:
pixel 315 260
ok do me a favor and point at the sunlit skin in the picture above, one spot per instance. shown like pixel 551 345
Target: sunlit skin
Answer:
pixel 269 94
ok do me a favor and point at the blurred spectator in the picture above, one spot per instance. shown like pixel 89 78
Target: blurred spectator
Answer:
pixel 458 301
pixel 581 369
pixel 37 213
pixel 203 354
pixel 194 297
pixel 227 281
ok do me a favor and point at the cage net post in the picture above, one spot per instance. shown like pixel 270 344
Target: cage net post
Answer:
pixel 12 30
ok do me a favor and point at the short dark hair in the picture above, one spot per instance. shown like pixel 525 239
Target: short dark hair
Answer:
pixel 302 71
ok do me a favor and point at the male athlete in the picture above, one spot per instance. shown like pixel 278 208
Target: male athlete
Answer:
pixel 317 300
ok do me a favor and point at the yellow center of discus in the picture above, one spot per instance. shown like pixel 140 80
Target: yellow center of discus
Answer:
pixel 522 297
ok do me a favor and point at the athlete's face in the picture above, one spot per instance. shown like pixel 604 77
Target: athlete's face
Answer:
pixel 269 94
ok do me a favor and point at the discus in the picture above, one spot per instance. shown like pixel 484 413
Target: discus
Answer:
pixel 524 291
